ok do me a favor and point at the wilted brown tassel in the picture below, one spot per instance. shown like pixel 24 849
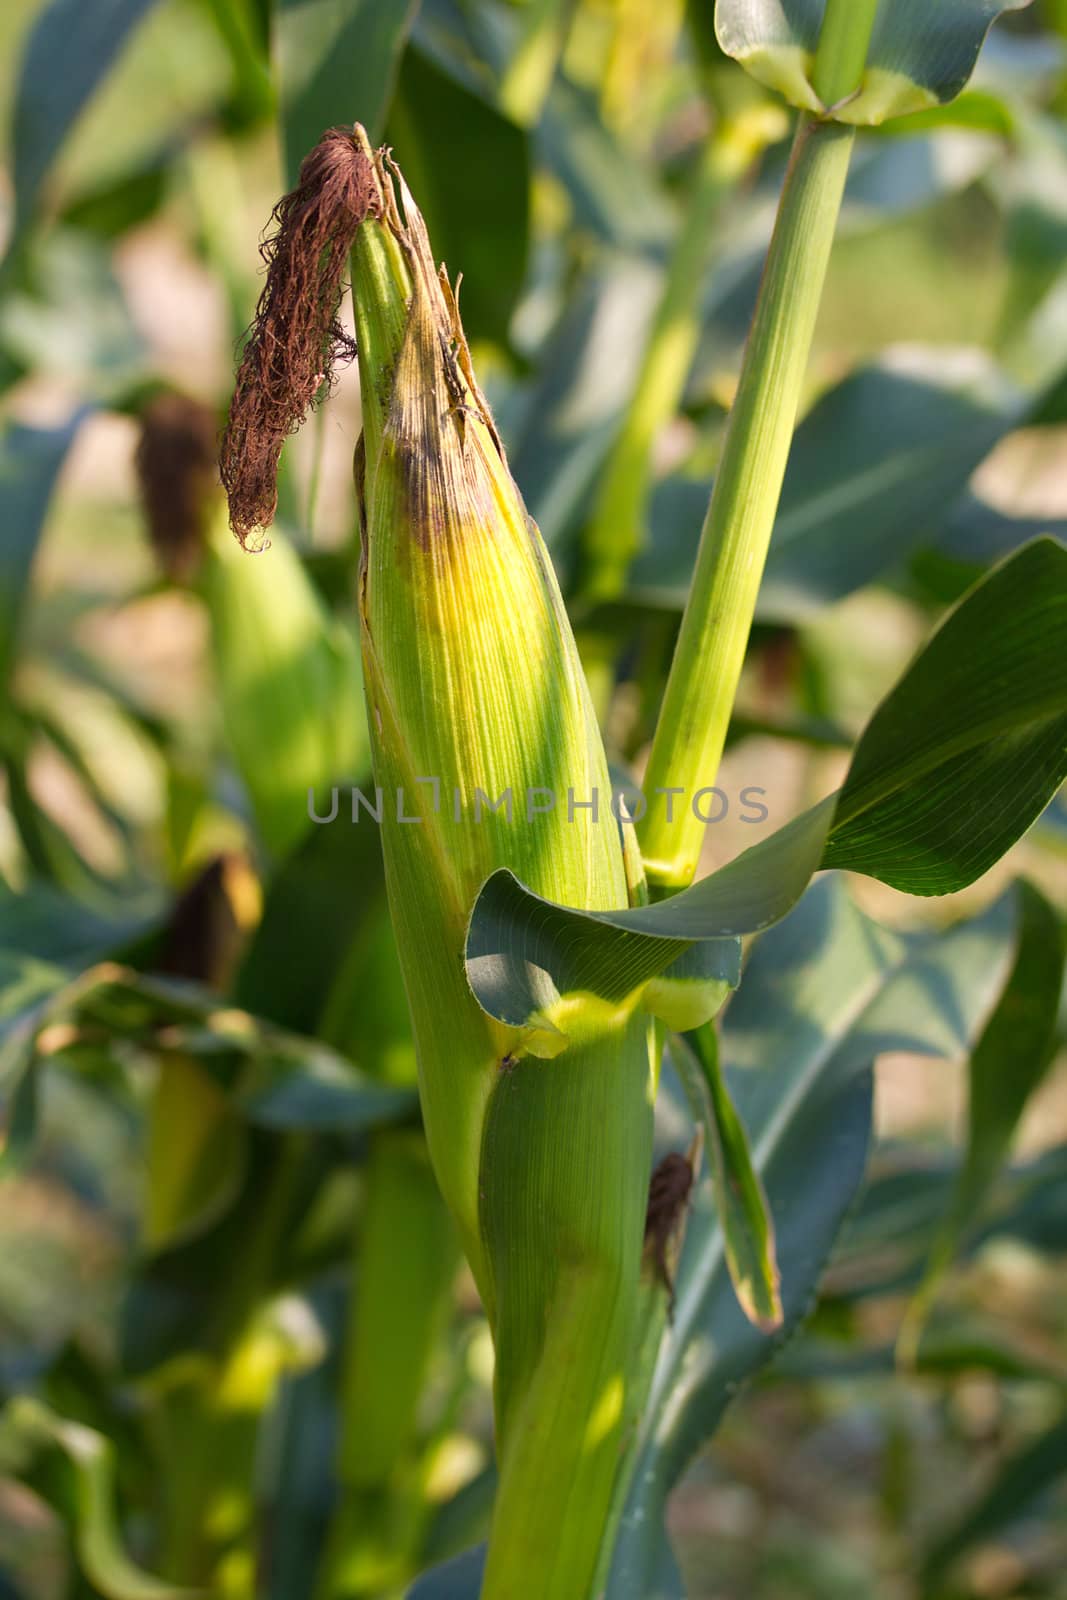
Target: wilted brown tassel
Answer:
pixel 175 465
pixel 295 341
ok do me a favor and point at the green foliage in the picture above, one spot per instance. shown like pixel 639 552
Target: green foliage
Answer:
pixel 917 56
pixel 330 57
pixel 67 55
pixel 923 808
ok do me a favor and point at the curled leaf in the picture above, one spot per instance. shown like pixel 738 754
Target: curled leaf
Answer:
pixel 921 55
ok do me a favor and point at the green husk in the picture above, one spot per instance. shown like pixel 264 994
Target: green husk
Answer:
pixel 473 680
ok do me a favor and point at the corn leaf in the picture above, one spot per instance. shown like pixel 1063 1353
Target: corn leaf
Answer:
pixel 399 1313
pixel 334 60
pixel 273 1079
pixel 458 1579
pixel 30 461
pixel 884 451
pixel 1020 1480
pixel 197 1150
pixel 313 889
pixel 70 49
pixel 825 994
pixel 45 922
pixel 101 1555
pixel 746 1223
pixel 578 398
pixel 921 55
pixel 289 685
pixel 1009 1061
pixel 958 761
pixel 616 196
pixel 473 189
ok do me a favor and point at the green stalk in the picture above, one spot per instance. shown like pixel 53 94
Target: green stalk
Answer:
pixel 702 685
pixel 700 692
pixel 844 40
pixel 703 681
pixel 616 529
pixel 714 637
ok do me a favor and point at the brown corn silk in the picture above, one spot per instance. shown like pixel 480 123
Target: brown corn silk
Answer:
pixel 296 341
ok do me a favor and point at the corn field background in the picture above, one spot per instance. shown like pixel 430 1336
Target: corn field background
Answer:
pixel 240 1348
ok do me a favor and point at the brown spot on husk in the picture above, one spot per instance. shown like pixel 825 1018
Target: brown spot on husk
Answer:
pixel 175 465
pixel 296 342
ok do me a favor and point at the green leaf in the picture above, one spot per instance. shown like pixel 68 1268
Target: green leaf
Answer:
pixel 289 684
pixel 976 534
pixel 286 1081
pixel 69 51
pixel 1019 1482
pixel 196 1152
pixel 578 398
pixel 616 197
pixel 291 983
pixel 1009 1061
pixel 274 1079
pixel 458 1579
pixel 43 921
pixel 301 1474
pixel 473 188
pixel 824 995
pixel 110 207
pixel 243 26
pixel 196 1297
pixel 958 761
pixel 740 1203
pixel 920 55
pixel 75 322
pixel 322 1093
pixel 524 954
pixel 400 1313
pixel 30 460
pixel 335 62
pixel 883 452
pixel 100 1552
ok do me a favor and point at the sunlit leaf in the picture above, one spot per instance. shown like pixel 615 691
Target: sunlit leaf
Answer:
pixel 957 762
pixel 289 685
pixel 920 55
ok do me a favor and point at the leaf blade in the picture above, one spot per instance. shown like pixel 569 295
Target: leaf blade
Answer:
pixel 959 760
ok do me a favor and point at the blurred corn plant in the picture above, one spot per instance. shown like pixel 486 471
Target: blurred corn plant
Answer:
pixel 304 1006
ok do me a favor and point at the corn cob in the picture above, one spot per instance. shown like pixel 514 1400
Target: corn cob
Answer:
pixel 474 688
